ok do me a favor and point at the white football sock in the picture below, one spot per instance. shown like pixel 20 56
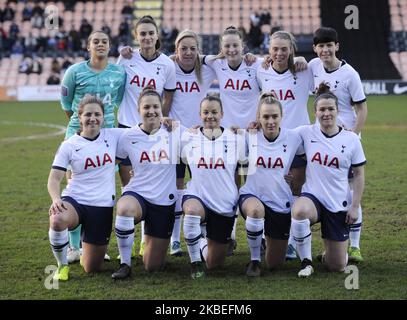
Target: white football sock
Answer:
pixel 303 237
pixel 355 230
pixel 254 230
pixel 124 228
pixel 59 243
pixel 192 235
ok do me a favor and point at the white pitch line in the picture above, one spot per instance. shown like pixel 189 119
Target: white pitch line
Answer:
pixel 61 130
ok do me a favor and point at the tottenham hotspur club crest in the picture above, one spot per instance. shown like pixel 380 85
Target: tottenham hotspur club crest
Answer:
pixel 285 147
pixel 158 70
pixel 343 148
pixel 107 145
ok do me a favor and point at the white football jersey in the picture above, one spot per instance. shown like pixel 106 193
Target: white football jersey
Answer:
pixel 140 73
pixel 153 158
pixel 292 91
pixel 189 94
pixel 268 163
pixel 93 167
pixel 345 83
pixel 213 165
pixel 328 163
pixel 239 91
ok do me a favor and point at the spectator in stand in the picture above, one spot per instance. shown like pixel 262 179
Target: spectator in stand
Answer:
pixel 30 43
pixel 38 8
pixel 124 31
pixel 66 64
pixel 37 21
pixel 74 39
pixel 127 10
pixel 69 5
pixel 27 12
pixel 105 28
pixel 26 65
pixel 255 37
pixel 265 17
pixel 61 40
pixel 85 29
pixel 53 79
pixel 14 31
pixel 51 43
pixel 8 13
pixel 36 66
pixel 55 66
pixel 255 19
pixel 17 48
pixel 42 41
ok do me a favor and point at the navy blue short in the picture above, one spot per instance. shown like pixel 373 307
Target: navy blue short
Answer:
pixel 276 225
pixel 124 162
pixel 218 227
pixel 298 162
pixel 333 224
pixel 96 222
pixel 159 220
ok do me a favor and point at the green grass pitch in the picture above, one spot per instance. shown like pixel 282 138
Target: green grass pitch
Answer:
pixel 25 251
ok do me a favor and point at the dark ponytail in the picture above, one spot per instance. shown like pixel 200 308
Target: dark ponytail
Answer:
pixel 323 92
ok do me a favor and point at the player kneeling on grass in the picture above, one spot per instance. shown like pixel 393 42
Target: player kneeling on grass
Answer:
pixel 212 153
pixel 151 192
pixel 88 199
pixel 265 199
pixel 326 196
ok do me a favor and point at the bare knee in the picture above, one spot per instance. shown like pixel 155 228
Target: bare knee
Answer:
pixel 57 222
pixel 255 213
pixel 300 214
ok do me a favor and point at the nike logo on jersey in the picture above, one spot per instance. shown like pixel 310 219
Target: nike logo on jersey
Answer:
pixel 83 84
pixel 267 79
pixel 78 149
pixel 314 141
pixel 399 90
pixel 224 69
pixel 134 142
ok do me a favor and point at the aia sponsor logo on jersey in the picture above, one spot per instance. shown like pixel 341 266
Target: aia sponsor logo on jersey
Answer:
pixel 154 156
pixel 98 161
pixel 325 160
pixel 211 164
pixel 269 163
pixel 283 94
pixel 237 85
pixel 143 82
pixel 187 87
